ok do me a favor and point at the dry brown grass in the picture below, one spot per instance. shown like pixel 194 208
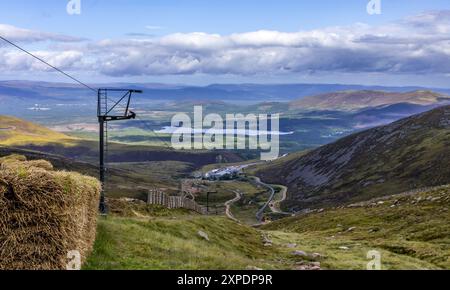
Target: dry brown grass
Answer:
pixel 12 158
pixel 44 214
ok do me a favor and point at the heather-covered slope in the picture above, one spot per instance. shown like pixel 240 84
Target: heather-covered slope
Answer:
pixel 408 154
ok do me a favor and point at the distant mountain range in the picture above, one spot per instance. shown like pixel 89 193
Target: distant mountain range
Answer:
pixel 65 102
pixel 408 154
pixel 351 100
pixel 255 93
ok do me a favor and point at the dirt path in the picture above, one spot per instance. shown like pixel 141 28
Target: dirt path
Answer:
pixel 229 203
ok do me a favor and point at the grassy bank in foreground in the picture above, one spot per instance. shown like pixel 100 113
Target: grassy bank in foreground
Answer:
pixel 409 230
pixel 175 243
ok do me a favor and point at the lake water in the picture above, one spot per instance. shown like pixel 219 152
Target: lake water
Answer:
pixel 241 132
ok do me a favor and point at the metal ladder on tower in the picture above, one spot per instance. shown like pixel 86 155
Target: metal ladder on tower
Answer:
pixel 119 110
pixel 106 150
pixel 105 109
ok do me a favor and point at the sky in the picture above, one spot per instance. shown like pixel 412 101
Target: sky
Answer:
pixel 228 41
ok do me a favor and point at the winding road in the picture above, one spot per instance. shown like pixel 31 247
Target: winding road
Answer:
pixel 229 203
pixel 260 213
pixel 274 206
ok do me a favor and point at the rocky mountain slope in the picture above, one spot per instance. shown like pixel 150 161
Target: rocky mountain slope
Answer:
pixel 408 154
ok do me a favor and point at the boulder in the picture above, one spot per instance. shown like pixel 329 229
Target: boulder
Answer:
pixel 203 235
pixel 300 253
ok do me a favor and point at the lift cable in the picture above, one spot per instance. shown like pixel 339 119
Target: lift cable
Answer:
pixel 46 63
pixel 102 118
pixel 76 80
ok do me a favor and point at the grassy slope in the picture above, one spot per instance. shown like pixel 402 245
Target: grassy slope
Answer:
pixel 275 165
pixel 410 230
pixel 174 243
pixel 14 131
pixel 412 235
pixel 159 174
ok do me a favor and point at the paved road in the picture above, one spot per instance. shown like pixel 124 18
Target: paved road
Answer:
pixel 273 205
pixel 229 203
pixel 276 205
pixel 260 213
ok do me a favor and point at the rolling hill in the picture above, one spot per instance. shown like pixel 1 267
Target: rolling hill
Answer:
pixel 351 100
pixel 22 134
pixel 408 154
pixel 132 169
pixel 14 131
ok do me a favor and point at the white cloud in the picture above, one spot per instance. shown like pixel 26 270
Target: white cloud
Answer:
pixel 415 45
pixel 154 27
pixel 419 44
pixel 26 35
pixel 67 60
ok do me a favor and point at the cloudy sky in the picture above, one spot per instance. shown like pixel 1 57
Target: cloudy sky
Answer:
pixel 230 41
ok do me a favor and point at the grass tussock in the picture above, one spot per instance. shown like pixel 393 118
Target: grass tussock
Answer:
pixel 45 214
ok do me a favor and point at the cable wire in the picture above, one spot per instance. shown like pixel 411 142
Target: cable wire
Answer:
pixel 78 81
pixel 46 63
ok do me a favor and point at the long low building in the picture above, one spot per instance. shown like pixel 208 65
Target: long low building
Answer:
pixel 223 173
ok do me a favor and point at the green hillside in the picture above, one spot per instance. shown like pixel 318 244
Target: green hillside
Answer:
pixel 17 132
pixel 410 230
pixel 408 154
